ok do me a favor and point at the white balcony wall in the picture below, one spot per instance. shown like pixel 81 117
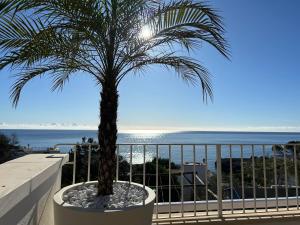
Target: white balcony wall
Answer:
pixel 27 185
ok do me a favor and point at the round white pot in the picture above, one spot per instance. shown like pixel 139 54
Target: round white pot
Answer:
pixel 66 214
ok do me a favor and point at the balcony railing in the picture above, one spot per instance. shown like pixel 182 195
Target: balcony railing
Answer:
pixel 192 180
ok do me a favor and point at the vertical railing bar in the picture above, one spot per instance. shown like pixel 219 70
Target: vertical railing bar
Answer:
pixel 156 182
pixel 130 166
pixel 181 175
pixel 265 178
pixel 206 180
pixel 285 178
pixel 231 180
pixel 74 164
pixel 253 177
pixel 194 178
pixel 275 177
pixel 242 173
pixel 219 180
pixel 296 175
pixel 89 163
pixel 169 181
pixel 117 164
pixel 144 172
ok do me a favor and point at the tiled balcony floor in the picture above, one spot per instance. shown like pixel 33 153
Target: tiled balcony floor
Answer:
pixel 274 217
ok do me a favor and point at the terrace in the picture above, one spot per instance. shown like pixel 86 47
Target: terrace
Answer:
pixel 112 40
pixel 228 184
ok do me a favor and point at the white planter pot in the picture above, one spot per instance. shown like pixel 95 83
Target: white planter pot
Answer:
pixel 66 214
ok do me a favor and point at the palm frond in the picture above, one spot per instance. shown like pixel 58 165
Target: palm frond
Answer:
pixel 188 23
pixel 23 78
pixel 101 38
pixel 187 69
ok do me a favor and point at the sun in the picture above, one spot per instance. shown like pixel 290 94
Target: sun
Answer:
pixel 145 32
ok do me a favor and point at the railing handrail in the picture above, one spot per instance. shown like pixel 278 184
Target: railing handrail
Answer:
pixel 179 144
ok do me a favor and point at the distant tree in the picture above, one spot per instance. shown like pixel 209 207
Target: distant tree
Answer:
pixel 292 147
pixel 289 148
pixel 4 148
pixel 8 148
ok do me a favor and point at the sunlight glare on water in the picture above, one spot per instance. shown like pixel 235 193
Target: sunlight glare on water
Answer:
pixel 146 134
pixel 142 137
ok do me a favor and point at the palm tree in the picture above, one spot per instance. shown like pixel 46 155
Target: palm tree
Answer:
pixel 108 40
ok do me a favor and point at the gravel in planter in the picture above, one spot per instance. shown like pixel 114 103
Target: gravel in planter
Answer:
pixel 85 196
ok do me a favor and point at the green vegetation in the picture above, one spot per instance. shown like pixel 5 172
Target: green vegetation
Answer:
pixel 9 148
pixel 272 178
pixel 289 149
pixel 108 40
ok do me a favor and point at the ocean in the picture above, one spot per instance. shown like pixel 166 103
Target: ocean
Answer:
pixel 48 138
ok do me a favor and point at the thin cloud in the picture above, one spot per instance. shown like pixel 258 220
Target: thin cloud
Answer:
pixel 48 126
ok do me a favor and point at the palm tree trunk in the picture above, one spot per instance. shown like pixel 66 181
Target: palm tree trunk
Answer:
pixel 107 137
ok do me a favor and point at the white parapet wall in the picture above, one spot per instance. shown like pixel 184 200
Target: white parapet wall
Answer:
pixel 27 186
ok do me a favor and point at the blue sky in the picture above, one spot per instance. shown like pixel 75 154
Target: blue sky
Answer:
pixel 258 90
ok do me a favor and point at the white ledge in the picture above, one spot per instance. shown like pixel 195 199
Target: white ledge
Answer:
pixel 21 177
